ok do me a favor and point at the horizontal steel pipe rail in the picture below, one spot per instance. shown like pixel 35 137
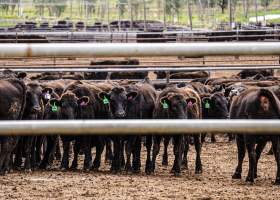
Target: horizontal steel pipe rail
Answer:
pixel 138 127
pixel 139 69
pixel 135 49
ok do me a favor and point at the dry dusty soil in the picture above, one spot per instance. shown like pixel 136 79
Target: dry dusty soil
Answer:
pixel 215 183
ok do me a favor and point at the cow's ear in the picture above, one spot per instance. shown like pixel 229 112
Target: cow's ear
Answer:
pixel 46 92
pixel 21 75
pixel 131 95
pixel 165 102
pixel 206 102
pixel 54 104
pixel 191 101
pixel 104 97
pixel 83 101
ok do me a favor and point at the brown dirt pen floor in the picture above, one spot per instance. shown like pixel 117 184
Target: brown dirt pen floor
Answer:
pixel 219 161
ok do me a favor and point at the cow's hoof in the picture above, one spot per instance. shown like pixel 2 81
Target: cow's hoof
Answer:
pixel 136 171
pixel 64 168
pixel 27 170
pixel 86 170
pixel 249 179
pixel 3 173
pixel 236 176
pixel 270 152
pixel 277 181
pixel 164 162
pixel 177 174
pixel 198 171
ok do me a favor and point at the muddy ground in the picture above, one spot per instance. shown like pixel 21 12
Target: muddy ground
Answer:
pixel 215 182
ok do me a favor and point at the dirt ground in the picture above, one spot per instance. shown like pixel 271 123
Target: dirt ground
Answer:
pixel 219 161
pixel 215 182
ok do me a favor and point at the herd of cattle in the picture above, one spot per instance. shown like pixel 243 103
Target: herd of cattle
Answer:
pixel 250 94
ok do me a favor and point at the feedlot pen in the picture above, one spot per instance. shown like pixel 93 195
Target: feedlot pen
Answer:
pixel 218 159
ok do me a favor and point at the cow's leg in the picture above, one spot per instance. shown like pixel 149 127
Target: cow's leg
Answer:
pixel 213 138
pixel 270 152
pixel 177 150
pixel 156 148
pixel 76 149
pixel 18 154
pixel 33 152
pixel 165 153
pixel 136 164
pixel 259 149
pixel 109 154
pixel 186 150
pixel 203 136
pixel 115 167
pixel 276 150
pixel 50 151
pixel 28 149
pixel 65 157
pixel 250 146
pixel 86 146
pixel 99 150
pixel 149 142
pixel 38 151
pixel 197 145
pixel 122 160
pixel 128 151
pixel 57 149
pixel 241 154
pixel 3 155
pixel 231 137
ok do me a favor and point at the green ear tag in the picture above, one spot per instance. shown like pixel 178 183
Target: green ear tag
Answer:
pixel 54 108
pixel 105 101
pixel 165 105
pixel 207 105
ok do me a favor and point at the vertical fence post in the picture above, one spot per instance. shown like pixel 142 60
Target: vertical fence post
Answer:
pixel 145 16
pixel 131 14
pixel 190 13
pixel 108 14
pixel 119 16
pixel 164 14
pixel 230 13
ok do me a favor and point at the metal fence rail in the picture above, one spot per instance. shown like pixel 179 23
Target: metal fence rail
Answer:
pixel 135 49
pixel 138 127
pixel 139 69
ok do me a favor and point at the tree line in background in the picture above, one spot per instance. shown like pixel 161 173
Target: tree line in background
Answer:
pixel 172 9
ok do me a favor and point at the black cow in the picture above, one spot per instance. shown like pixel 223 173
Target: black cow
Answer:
pixel 214 106
pixel 178 103
pixel 12 101
pixel 33 111
pixel 258 103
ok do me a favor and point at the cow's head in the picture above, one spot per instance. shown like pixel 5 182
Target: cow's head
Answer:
pixel 177 106
pixel 215 106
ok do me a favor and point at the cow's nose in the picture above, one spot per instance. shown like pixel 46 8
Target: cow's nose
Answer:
pixel 36 109
pixel 120 114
